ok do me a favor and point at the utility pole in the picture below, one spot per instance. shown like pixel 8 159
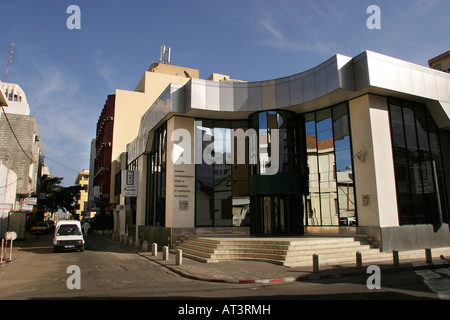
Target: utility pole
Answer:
pixel 9 60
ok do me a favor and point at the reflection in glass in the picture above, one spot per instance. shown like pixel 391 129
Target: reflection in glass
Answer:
pixel 312 203
pixel 222 189
pixel 156 200
pixel 331 199
pixel 343 166
pixel 418 166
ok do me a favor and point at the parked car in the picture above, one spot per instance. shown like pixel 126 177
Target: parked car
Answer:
pixel 68 236
pixel 40 228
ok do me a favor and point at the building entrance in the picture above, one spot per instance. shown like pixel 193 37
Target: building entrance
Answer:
pixel 278 180
pixel 277 215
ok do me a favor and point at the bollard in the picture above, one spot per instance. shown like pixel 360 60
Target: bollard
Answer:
pixel 358 259
pixel 395 258
pixel 179 257
pixel 1 257
pixel 165 253
pixel 145 245
pixel 154 249
pixel 315 263
pixel 131 241
pixel 137 244
pixel 428 256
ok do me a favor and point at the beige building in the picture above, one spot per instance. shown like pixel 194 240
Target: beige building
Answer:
pixel 441 62
pixel 82 180
pixel 127 111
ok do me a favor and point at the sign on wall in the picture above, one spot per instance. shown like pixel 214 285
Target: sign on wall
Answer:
pixel 129 183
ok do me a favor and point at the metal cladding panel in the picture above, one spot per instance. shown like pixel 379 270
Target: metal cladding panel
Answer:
pixel 332 77
pixel 321 82
pixel 198 95
pixel 442 87
pixel 296 91
pixel 254 98
pixel 269 99
pixel 361 72
pixel 212 98
pixel 226 98
pixel 418 83
pixel 406 81
pixel 309 88
pixel 240 97
pixel 283 94
pixel 430 85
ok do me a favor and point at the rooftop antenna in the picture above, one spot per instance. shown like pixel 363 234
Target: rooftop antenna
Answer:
pixel 165 55
pixel 9 60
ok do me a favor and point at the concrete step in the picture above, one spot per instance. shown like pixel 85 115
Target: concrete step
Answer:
pixel 290 251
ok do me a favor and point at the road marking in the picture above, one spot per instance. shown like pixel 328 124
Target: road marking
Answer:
pixel 436 283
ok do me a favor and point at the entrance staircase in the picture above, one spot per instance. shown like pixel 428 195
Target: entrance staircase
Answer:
pixel 290 252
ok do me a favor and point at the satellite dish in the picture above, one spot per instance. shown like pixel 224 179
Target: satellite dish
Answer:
pixel 11 235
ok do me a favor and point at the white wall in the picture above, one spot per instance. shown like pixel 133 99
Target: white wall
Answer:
pixel 374 176
pixel 180 178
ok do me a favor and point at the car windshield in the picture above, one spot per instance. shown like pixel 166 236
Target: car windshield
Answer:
pixel 68 230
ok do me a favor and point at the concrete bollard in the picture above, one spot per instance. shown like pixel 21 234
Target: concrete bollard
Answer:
pixel 315 263
pixel 137 244
pixel 358 259
pixel 179 257
pixel 131 241
pixel 396 258
pixel 165 253
pixel 124 239
pixel 428 256
pixel 154 249
pixel 145 245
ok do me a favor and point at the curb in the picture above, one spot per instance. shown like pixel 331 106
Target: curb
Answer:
pixel 411 265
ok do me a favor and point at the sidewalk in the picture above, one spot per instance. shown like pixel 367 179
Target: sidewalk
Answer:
pixel 246 271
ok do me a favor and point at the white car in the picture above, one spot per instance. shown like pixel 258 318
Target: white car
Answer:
pixel 68 236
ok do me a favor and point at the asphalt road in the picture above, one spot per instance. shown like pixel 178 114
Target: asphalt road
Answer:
pixel 109 270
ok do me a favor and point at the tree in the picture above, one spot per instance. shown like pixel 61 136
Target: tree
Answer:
pixel 57 196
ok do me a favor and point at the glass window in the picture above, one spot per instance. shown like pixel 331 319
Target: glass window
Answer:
pixel 343 166
pixel 420 177
pixel 156 181
pixel 313 212
pixel 331 198
pixel 222 188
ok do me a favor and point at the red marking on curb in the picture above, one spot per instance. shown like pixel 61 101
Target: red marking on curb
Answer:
pixel 246 281
pixel 276 280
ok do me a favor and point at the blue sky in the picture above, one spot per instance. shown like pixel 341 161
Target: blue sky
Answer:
pixel 67 74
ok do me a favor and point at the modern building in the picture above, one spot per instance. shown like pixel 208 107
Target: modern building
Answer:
pixel 82 180
pixel 355 145
pixel 119 124
pixel 441 62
